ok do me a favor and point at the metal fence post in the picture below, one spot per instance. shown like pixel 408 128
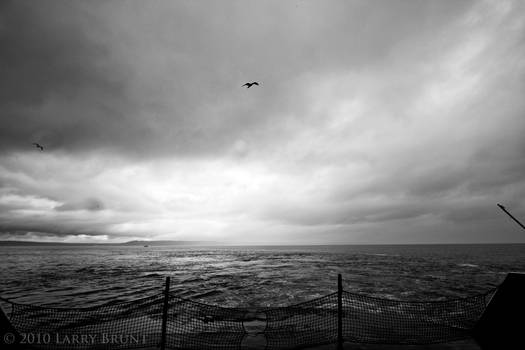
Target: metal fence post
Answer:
pixel 339 312
pixel 165 314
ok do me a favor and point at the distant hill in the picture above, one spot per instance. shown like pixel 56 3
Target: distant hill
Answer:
pixel 157 243
pixel 130 243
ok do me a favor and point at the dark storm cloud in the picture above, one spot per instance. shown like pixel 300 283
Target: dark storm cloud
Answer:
pixel 50 227
pixel 163 81
pixel 46 52
pixel 54 75
pixel 91 204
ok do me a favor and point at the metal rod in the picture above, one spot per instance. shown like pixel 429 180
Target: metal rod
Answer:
pixel 165 314
pixel 339 312
pixel 509 214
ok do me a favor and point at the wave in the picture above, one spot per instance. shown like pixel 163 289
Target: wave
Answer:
pixel 468 265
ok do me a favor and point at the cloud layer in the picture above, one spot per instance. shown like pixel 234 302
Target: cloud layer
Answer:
pixel 375 122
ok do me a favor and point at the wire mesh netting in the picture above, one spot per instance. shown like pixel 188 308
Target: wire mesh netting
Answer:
pixel 194 325
pixel 310 323
pixel 373 320
pixel 134 324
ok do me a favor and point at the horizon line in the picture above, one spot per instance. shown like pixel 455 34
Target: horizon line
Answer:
pixel 215 243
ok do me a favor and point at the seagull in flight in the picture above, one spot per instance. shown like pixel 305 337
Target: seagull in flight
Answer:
pixel 249 85
pixel 38 146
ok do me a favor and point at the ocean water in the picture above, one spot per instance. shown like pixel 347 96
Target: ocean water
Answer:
pixel 243 276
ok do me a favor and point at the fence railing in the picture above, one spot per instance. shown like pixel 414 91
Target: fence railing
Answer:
pixel 167 321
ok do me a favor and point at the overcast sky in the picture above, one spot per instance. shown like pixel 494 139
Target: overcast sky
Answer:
pixel 374 121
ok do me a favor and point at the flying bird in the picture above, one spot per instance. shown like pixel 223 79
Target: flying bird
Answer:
pixel 249 85
pixel 38 146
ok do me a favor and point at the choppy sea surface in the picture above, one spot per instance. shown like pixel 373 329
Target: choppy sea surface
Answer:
pixel 249 276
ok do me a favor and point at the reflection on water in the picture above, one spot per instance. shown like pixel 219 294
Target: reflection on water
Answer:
pixel 251 276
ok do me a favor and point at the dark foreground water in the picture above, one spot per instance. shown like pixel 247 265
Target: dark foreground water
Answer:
pixel 251 276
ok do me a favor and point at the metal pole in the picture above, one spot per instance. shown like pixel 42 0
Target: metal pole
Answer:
pixel 509 214
pixel 165 314
pixel 339 312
